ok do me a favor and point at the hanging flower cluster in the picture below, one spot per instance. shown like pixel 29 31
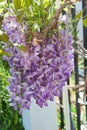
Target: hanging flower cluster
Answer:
pixel 40 73
pixel 13 29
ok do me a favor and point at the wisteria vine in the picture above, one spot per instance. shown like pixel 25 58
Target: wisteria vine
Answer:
pixel 39 74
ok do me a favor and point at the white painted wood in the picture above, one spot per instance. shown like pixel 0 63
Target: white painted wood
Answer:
pixel 41 118
pixel 80 24
pixel 26 120
pixel 66 108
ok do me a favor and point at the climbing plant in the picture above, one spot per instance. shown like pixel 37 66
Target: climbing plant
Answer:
pixel 37 43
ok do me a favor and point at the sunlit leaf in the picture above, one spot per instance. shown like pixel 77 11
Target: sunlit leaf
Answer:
pixel 17 4
pixel 3 37
pixel 79 15
pixel 27 2
pixel 1 75
pixel 2 3
pixel 1 10
pixel 72 7
pixel 22 48
pixel 62 2
pixel 19 14
pixel 2 52
pixel 85 22
pixel 66 9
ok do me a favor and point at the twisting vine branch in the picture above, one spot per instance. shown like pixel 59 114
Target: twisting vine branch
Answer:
pixel 81 51
pixel 54 21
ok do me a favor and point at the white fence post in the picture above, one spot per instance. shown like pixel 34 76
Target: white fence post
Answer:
pixel 41 118
pixel 66 108
pixel 80 23
pixel 26 120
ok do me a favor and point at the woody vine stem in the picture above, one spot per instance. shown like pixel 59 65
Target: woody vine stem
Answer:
pixel 54 20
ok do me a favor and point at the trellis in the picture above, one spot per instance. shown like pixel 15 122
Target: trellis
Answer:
pixel 78 87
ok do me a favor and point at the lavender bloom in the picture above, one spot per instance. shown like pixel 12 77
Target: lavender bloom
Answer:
pixel 37 75
pixel 13 29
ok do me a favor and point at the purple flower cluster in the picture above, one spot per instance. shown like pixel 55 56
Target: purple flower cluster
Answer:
pixel 13 29
pixel 40 73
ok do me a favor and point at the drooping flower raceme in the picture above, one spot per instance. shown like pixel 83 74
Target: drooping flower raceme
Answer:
pixel 13 29
pixel 40 73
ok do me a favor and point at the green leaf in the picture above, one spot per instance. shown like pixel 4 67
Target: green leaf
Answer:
pixel 1 75
pixel 3 37
pixel 20 14
pixel 85 22
pixel 2 6
pixel 2 52
pixel 22 48
pixel 78 16
pixel 66 9
pixel 17 4
pixel 27 2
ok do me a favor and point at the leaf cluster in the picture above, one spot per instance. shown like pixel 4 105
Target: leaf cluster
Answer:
pixel 37 13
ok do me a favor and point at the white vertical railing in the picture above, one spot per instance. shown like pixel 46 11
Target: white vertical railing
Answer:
pixel 80 24
pixel 41 118
pixel 26 120
pixel 66 108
